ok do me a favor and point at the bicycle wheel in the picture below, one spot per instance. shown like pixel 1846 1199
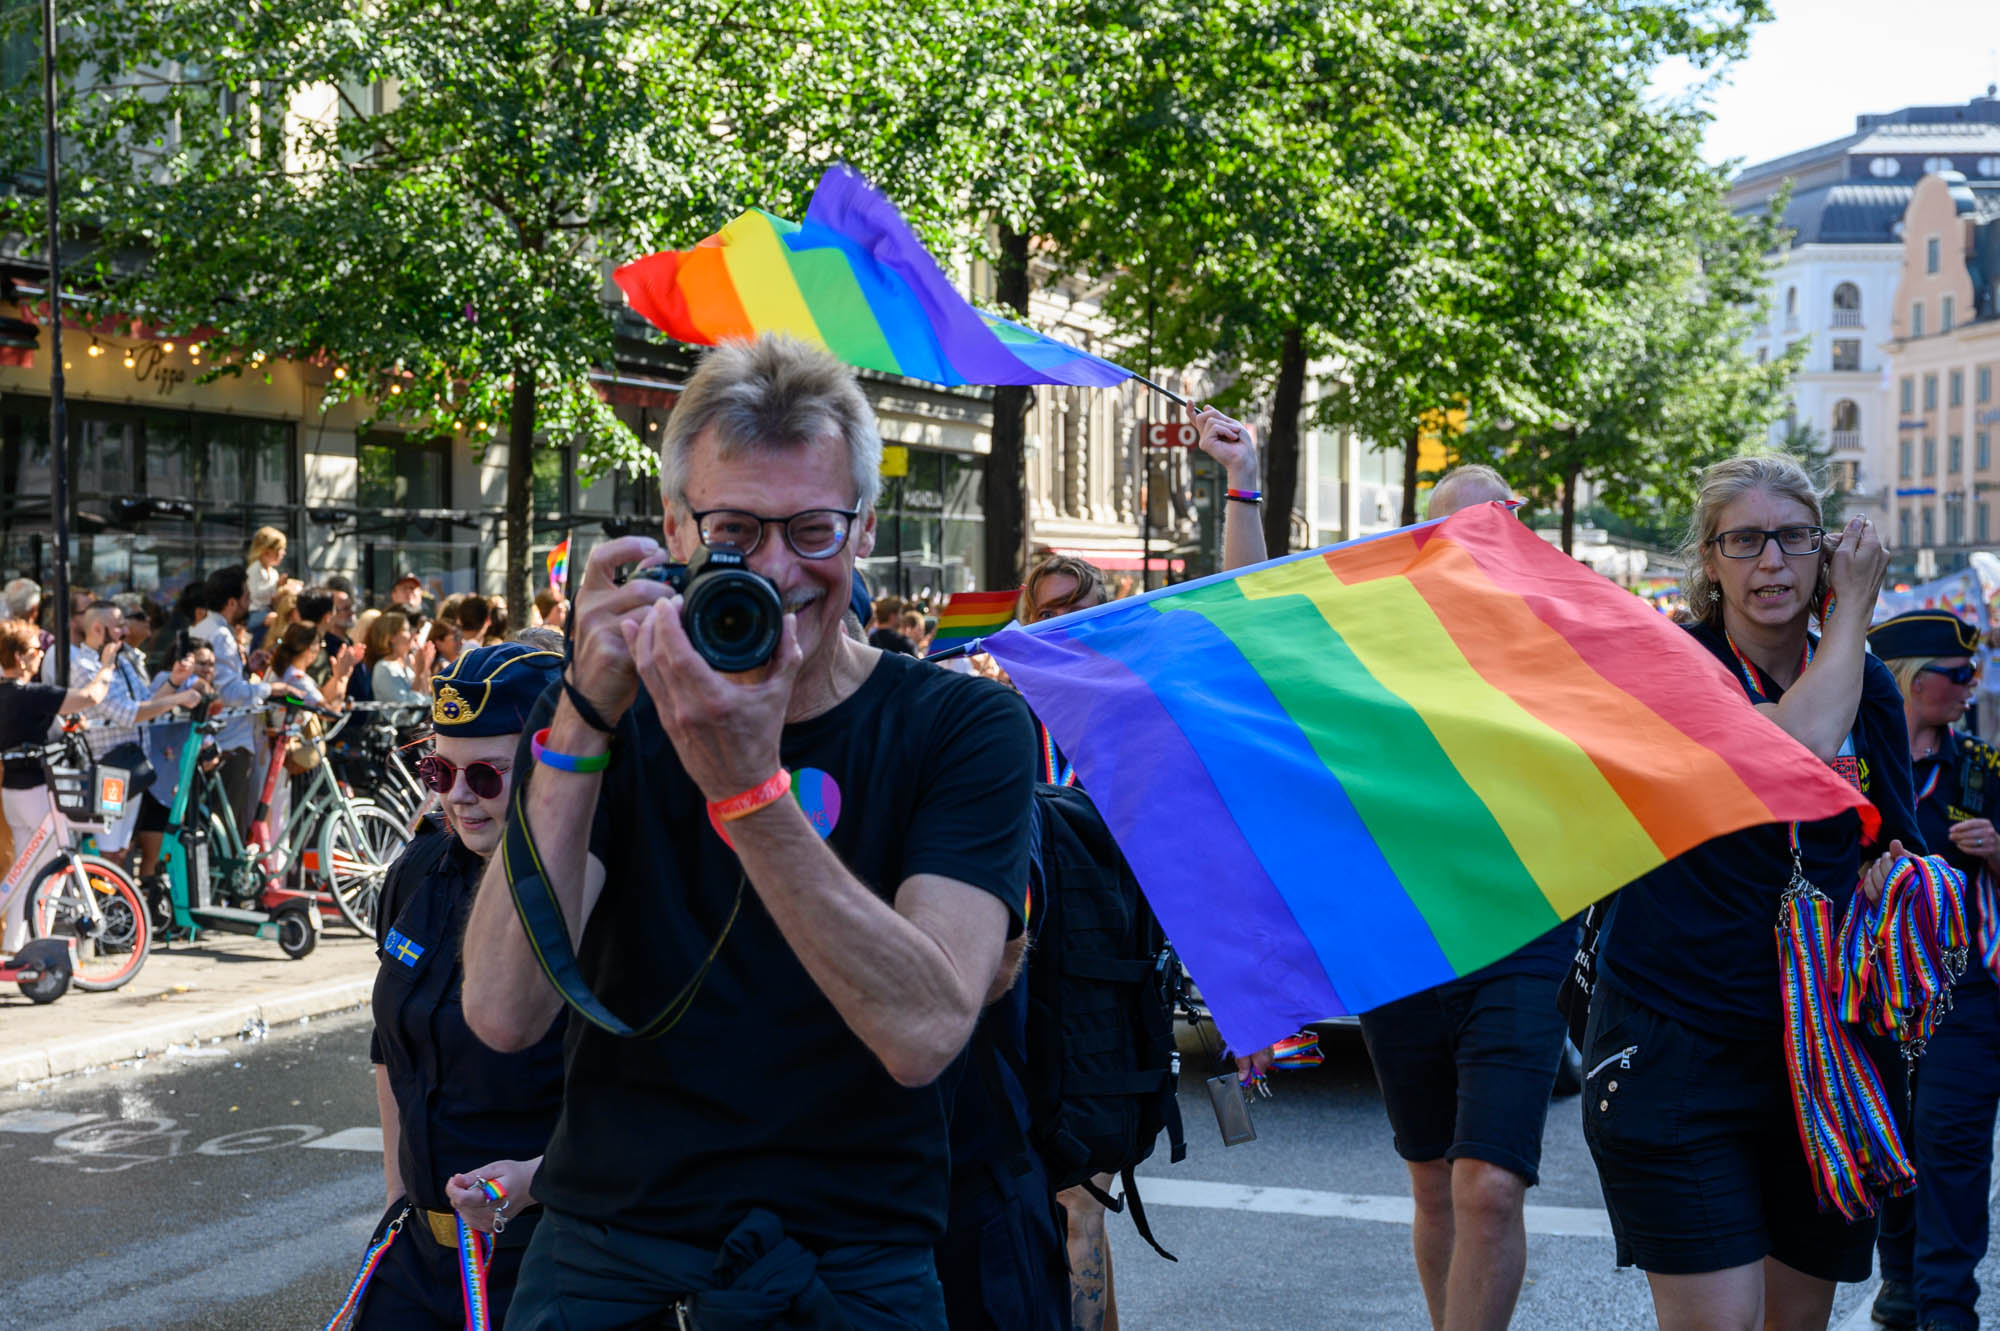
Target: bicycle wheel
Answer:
pixel 108 953
pixel 356 847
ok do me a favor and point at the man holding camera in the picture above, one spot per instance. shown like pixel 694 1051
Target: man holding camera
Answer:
pixel 810 871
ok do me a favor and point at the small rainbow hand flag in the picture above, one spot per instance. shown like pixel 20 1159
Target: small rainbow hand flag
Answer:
pixel 559 567
pixel 1349 775
pixel 854 279
pixel 969 616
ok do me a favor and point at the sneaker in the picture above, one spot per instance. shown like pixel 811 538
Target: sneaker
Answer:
pixel 1896 1306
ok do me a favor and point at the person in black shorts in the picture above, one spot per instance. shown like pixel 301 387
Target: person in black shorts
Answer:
pixel 812 871
pixel 1466 1071
pixel 1687 1104
pixel 1933 655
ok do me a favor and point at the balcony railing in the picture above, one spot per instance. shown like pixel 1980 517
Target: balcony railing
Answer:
pixel 1847 318
pixel 1839 439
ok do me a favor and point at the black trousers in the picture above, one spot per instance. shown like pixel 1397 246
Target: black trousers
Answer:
pixel 1958 1090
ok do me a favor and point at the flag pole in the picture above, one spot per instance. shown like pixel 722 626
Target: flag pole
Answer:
pixel 1170 396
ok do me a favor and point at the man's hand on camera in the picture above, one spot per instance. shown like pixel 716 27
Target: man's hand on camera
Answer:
pixel 725 732
pixel 601 665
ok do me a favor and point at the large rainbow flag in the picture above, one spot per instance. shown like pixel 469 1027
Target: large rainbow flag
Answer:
pixel 852 278
pixel 1345 776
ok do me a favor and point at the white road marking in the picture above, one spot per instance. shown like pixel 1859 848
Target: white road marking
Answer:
pixel 1862 1317
pixel 1569 1221
pixel 43 1120
pixel 348 1139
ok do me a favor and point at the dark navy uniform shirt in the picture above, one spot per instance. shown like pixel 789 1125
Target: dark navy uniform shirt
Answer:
pixel 461 1105
pixel 1694 939
pixel 1944 799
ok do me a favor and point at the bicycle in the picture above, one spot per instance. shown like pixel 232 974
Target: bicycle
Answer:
pixel 371 759
pixel 83 899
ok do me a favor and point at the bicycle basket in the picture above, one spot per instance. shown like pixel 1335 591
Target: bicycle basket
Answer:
pixel 78 785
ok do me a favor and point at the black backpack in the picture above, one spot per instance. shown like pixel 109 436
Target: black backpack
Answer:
pixel 1101 1064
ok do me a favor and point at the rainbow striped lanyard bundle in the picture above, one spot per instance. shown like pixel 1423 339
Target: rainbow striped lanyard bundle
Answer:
pixel 1055 770
pixel 475 1256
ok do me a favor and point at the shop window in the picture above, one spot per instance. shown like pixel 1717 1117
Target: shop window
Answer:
pixel 399 473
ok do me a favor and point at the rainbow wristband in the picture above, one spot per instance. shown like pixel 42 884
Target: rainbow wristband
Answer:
pixel 1247 496
pixel 769 791
pixel 565 762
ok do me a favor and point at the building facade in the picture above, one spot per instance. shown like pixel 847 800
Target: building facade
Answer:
pixel 1943 357
pixel 1833 283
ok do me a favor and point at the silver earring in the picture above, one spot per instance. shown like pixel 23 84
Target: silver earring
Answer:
pixel 1715 593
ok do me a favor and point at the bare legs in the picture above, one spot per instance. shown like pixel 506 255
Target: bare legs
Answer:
pixel 1471 1244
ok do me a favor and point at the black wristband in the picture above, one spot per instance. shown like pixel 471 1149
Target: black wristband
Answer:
pixel 584 711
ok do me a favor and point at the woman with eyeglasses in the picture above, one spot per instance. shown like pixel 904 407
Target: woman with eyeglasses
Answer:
pixel 1688 1105
pixel 455 1114
pixel 1933 655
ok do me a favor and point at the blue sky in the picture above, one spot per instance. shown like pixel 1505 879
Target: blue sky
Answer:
pixel 1820 63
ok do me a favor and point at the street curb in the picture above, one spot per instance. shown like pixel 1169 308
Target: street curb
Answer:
pixel 64 1057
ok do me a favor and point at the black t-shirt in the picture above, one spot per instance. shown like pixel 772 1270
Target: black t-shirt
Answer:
pixel 26 712
pixel 1943 801
pixel 762 1096
pixel 891 641
pixel 1695 939
pixel 459 1104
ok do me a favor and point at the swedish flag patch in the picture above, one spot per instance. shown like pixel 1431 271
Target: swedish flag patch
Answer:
pixel 402 947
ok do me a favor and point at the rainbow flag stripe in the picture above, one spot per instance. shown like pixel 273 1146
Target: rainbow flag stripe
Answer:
pixel 853 278
pixel 559 566
pixel 1349 775
pixel 968 616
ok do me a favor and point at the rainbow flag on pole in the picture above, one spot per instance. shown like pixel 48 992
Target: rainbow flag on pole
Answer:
pixel 853 278
pixel 559 567
pixel 968 616
pixel 1349 775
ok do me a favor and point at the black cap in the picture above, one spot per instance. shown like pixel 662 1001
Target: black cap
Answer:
pixel 1923 633
pixel 491 690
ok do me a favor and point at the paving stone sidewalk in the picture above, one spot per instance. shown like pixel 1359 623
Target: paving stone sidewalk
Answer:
pixel 225 985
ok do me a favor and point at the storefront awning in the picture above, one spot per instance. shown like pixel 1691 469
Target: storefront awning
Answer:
pixel 1123 558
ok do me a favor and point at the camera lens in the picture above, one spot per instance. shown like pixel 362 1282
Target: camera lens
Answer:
pixel 733 618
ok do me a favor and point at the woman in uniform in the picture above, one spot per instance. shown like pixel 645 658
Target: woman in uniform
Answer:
pixel 1931 653
pixel 1687 1107
pixel 455 1114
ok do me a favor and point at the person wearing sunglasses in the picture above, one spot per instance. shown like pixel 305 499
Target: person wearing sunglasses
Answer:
pixel 454 1112
pixel 1930 1280
pixel 1687 1104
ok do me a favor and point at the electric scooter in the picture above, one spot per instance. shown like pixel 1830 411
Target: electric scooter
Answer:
pixel 41 968
pixel 183 877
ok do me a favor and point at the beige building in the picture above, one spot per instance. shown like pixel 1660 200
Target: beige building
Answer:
pixel 1943 358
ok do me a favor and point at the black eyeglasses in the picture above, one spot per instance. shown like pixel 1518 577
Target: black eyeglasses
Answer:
pixel 1749 542
pixel 481 778
pixel 816 533
pixel 1958 674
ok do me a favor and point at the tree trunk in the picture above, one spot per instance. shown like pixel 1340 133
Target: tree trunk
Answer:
pixel 1281 451
pixel 1003 486
pixel 518 586
pixel 1569 511
pixel 1412 448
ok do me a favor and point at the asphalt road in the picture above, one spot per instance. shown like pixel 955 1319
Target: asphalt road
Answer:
pixel 232 1189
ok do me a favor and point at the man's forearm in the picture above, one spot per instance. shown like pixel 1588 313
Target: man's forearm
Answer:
pixel 894 984
pixel 1242 524
pixel 508 1000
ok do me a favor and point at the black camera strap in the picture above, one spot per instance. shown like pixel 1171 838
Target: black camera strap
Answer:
pixel 548 934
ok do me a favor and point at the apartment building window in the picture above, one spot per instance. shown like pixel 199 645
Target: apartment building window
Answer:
pixel 1930 392
pixel 1932 252
pixel 1930 455
pixel 1903 528
pixel 1903 460
pixel 1847 306
pixel 1847 353
pixel 1982 450
pixel 1956 449
pixel 1916 318
pixel 1909 394
pixel 1982 386
pixel 1979 520
pixel 1954 524
pixel 1947 307
pixel 1958 388
pixel 1930 525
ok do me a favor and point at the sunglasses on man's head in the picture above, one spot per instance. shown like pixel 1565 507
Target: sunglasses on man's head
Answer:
pixel 1958 674
pixel 481 778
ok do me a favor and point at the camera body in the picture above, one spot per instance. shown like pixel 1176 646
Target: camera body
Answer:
pixel 734 617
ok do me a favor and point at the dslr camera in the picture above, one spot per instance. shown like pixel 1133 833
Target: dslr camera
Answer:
pixel 733 616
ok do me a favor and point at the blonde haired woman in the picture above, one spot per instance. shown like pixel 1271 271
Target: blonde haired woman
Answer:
pixel 1687 1107
pixel 394 677
pixel 267 551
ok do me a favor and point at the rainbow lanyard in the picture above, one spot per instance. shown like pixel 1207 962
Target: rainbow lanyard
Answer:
pixel 1050 775
pixel 1750 676
pixel 475 1256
